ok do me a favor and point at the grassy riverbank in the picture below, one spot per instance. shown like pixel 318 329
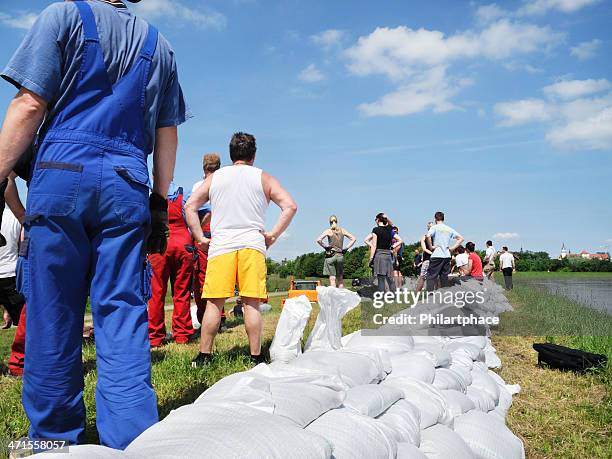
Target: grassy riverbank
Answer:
pixel 556 414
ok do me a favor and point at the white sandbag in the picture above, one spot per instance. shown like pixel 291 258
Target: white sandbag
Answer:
pixel 491 358
pixel 446 379
pixel 404 419
pixel 302 403
pixel 478 365
pixel 287 342
pixel 457 402
pixel 392 344
pixel 513 389
pixel 409 451
pixel 346 338
pixel 503 405
pixel 487 437
pixel 334 303
pixel 481 380
pixel 424 339
pixel 383 355
pixel 426 398
pixel 371 399
pixel 194 317
pixel 354 368
pixel 472 351
pixel 245 388
pixel 85 452
pixel 463 360
pixel 439 356
pixel 414 366
pixel 463 372
pixel 265 307
pixel 440 442
pixel 222 430
pixel 354 435
pixel 481 399
pixel 478 341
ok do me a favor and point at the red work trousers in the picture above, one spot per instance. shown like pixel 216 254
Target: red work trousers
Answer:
pixel 175 265
pixel 15 363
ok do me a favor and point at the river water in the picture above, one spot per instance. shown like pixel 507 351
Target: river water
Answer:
pixel 595 292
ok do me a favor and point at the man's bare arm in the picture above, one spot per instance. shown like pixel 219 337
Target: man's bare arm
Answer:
pixel 279 196
pixel 23 118
pixel 323 235
pixel 458 240
pixel 11 195
pixel 198 198
pixel 164 159
pixel 424 245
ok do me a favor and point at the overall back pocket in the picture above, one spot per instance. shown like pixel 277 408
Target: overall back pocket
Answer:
pixel 132 195
pixel 54 188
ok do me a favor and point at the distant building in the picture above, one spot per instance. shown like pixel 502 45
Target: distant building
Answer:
pixel 566 253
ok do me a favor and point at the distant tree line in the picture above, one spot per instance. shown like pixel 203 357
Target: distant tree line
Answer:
pixel 356 263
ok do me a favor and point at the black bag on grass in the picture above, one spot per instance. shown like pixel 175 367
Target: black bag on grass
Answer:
pixel 568 359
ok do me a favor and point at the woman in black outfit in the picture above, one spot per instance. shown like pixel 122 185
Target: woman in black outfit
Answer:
pixel 382 241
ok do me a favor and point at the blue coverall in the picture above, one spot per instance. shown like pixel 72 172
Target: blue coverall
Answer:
pixel 87 219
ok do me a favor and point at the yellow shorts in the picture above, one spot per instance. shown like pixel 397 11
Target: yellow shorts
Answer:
pixel 245 267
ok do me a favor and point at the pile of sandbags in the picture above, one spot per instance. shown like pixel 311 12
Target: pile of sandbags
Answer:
pixel 363 395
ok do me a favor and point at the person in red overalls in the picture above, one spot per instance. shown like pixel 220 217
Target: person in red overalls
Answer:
pixel 210 163
pixel 175 265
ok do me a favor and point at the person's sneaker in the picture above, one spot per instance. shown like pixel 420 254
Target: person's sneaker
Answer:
pixel 257 359
pixel 201 360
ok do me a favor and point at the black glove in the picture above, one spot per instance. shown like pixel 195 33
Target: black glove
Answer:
pixel 344 251
pixel 158 238
pixel 3 186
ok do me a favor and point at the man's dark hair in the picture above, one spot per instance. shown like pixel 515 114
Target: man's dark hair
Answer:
pixel 242 147
pixel 439 216
pixel 489 243
pixel 396 229
pixel 505 248
pixel 470 246
pixel 460 249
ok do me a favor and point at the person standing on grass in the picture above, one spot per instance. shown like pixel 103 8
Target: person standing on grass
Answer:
pixel 98 89
pixel 440 237
pixel 474 267
pixel 398 255
pixel 507 266
pixel 10 298
pixel 382 243
pixel 417 262
pixel 489 260
pixel 427 251
pixel 211 162
pixel 175 265
pixel 239 196
pixel 334 251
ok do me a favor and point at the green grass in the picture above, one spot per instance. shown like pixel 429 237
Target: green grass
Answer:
pixel 557 414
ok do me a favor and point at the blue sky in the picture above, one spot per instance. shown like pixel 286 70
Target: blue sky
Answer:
pixel 498 114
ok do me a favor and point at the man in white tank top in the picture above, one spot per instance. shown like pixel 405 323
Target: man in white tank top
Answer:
pixel 239 196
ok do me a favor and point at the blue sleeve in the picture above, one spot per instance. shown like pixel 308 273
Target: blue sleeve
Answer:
pixel 173 108
pixel 37 63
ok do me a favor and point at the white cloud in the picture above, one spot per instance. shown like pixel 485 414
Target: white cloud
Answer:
pixel 572 120
pixel 311 74
pixel 572 89
pixel 585 50
pixel 177 11
pixel 329 38
pixel 22 21
pixel 489 13
pixel 506 236
pixel 410 58
pixel 522 111
pixel 539 7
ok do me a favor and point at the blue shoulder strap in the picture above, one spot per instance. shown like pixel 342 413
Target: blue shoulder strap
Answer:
pixel 148 49
pixel 89 21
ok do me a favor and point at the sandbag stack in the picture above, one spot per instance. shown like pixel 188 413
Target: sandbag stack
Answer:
pixel 357 396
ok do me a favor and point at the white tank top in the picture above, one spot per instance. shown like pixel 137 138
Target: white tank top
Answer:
pixel 239 207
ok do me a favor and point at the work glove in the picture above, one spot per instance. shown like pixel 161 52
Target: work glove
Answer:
pixel 158 238
pixel 3 186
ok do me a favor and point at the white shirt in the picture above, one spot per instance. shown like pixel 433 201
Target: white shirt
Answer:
pixel 490 254
pixel 239 207
pixel 461 260
pixel 506 260
pixel 11 230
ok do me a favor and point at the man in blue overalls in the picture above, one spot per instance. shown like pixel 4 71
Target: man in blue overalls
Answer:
pixel 108 85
